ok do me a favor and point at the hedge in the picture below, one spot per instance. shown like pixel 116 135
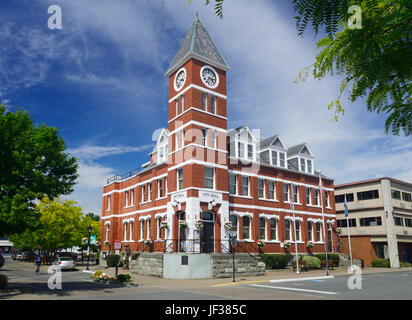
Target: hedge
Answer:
pixel 275 261
pixel 112 260
pixel 381 263
pixel 405 264
pixel 331 256
pixel 312 262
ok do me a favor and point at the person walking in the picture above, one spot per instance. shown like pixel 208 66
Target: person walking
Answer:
pixel 37 263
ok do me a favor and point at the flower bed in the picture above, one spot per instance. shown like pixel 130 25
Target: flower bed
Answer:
pixel 103 277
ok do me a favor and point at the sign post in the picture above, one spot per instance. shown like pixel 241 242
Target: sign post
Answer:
pixel 117 246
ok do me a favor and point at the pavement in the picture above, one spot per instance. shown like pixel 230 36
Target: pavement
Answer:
pixel 376 283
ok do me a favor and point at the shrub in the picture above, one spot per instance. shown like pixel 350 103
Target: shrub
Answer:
pixel 275 261
pixel 112 260
pixel 3 281
pixel 381 263
pixel 124 277
pixel 312 262
pixel 405 264
pixel 331 256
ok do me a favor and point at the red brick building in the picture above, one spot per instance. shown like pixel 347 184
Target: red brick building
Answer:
pixel 202 176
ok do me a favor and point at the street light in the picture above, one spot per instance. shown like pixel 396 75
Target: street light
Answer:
pixel 89 230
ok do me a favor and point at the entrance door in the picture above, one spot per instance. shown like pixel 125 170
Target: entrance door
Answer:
pixel 405 253
pixel 208 233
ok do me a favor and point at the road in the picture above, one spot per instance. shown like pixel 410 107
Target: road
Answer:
pixel 24 283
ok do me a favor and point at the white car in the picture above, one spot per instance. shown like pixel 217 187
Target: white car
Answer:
pixel 65 263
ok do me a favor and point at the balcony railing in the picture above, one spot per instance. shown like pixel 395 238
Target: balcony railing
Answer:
pixel 123 176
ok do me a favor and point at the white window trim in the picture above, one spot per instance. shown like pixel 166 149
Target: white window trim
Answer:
pixel 264 189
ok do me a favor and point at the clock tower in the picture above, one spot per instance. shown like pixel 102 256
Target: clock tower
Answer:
pixel 198 157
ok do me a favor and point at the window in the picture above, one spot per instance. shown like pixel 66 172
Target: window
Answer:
pixel 316 196
pixel 212 142
pixel 131 230
pixel 274 158
pixel 272 188
pixel 183 103
pixel 204 133
pixel 342 223
pixel 209 178
pixel 250 152
pixel 273 229
pixel 262 228
pixel 310 231
pixel 327 199
pixel 302 164
pixel 287 229
pixel 143 193
pixel 295 190
pixel 282 159
pixel 149 191
pixel 398 221
pixel 309 163
pixel 297 230
pixel 367 195
pixel 132 197
pixel 213 105
pixel 233 219
pixel 308 196
pixel 318 232
pixel 141 229
pixel 330 239
pixel 158 230
pixel 406 197
pixel 161 154
pixel 232 184
pixel 148 229
pixel 125 231
pixel 261 188
pixel 166 186
pixel 341 198
pixel 160 188
pixel 107 231
pixel 286 192
pixel 245 186
pixel 108 202
pixel 241 150
pixel 180 179
pixel 396 194
pixel 370 222
pixel 177 106
pixel 408 222
pixel 204 101
pixel 127 198
pixel 246 227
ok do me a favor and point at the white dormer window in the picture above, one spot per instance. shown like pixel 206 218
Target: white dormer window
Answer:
pixel 306 165
pixel 278 159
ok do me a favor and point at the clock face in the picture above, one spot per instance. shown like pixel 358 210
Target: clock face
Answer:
pixel 180 79
pixel 209 77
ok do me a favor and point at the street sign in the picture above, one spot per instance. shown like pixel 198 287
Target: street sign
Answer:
pixel 92 239
pixel 117 244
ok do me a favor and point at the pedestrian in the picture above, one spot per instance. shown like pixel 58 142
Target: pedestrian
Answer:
pixel 37 263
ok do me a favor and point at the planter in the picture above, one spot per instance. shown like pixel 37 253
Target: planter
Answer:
pixel 183 225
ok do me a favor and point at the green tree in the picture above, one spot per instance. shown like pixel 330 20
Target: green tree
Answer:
pixel 32 164
pixel 60 226
pixel 94 221
pixel 374 61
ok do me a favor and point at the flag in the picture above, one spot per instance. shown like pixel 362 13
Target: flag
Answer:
pixel 291 198
pixel 346 206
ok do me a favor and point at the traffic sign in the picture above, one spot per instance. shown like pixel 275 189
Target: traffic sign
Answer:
pixel 117 245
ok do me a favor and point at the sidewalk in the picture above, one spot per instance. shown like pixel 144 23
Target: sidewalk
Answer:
pixel 151 281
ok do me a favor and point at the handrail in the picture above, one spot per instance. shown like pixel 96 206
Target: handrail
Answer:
pixel 123 176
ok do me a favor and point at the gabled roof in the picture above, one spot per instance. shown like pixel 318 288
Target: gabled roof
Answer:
pixel 269 141
pixel 298 148
pixel 199 45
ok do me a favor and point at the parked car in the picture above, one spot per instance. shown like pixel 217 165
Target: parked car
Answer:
pixel 65 263
pixel 25 256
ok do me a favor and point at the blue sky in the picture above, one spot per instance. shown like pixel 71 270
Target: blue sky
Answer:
pixel 101 81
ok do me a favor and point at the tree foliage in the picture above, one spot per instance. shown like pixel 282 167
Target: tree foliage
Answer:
pixel 61 225
pixel 375 61
pixel 32 164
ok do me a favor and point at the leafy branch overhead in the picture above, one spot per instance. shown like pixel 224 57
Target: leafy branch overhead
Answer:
pixel 374 59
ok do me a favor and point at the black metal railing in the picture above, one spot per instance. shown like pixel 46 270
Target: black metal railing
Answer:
pixel 123 176
pixel 197 246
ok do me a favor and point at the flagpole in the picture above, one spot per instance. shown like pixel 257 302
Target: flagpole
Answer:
pixel 294 228
pixel 323 219
pixel 348 226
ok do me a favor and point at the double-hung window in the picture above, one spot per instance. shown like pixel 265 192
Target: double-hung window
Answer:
pixel 262 228
pixel 160 188
pixel 177 106
pixel 271 191
pixel 240 150
pixel 282 162
pixel 132 197
pixel 308 196
pixel 180 179
pixel 183 103
pixel 232 183
pixel 143 193
pixel 204 101
pixel 204 134
pixel 149 191
pixel 295 190
pixel 274 158
pixel 297 230
pixel 318 232
pixel 250 152
pixel 127 198
pixel 273 229
pixel 286 197
pixel 209 178
pixel 261 188
pixel 213 104
pixel 287 229
pixel 246 227
pixel 245 186
pixel 310 231
pixel 316 196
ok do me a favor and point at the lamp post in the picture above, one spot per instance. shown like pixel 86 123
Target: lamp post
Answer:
pixel 89 230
